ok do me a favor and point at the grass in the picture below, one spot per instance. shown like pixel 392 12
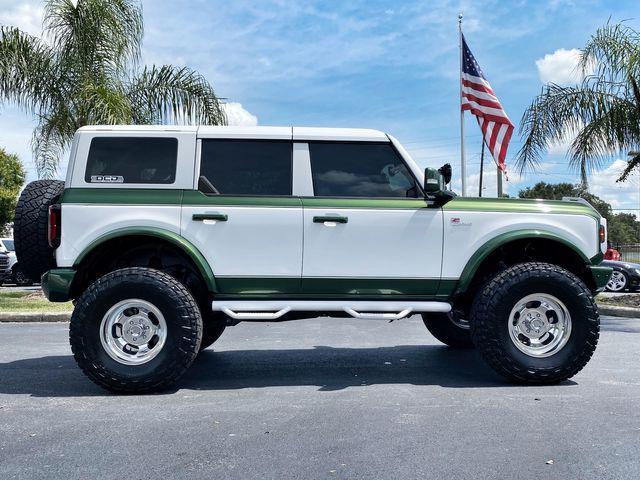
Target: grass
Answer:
pixel 34 302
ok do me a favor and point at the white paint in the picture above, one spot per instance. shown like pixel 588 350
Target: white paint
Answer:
pixel 302 182
pixel 374 243
pixel 477 228
pixel 254 241
pixel 82 224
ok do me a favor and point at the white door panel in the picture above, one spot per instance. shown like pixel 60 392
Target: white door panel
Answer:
pixel 253 241
pixel 374 243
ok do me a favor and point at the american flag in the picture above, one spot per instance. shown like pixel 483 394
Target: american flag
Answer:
pixel 479 99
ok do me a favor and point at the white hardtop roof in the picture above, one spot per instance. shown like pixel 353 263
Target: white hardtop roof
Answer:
pixel 258 132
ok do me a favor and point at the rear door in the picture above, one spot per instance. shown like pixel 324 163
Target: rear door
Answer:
pixel 243 217
pixel 368 229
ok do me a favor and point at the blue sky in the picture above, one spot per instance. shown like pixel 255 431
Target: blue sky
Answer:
pixel 388 65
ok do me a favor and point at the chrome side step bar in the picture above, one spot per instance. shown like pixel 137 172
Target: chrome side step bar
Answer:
pixel 274 309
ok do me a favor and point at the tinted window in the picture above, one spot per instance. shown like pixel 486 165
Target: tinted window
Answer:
pixel 8 244
pixel 359 170
pixel 238 167
pixel 132 160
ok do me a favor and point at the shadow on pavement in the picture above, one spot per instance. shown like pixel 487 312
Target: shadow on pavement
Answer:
pixel 324 367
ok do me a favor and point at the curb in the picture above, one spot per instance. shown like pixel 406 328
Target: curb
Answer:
pixel 612 310
pixel 27 317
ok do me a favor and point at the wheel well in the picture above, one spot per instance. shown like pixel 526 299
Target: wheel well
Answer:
pixel 140 251
pixel 525 250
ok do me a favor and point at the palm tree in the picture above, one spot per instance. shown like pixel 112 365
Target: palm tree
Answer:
pixel 602 111
pixel 86 72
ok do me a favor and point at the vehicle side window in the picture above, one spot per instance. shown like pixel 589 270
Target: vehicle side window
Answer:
pixel 132 160
pixel 246 167
pixel 359 170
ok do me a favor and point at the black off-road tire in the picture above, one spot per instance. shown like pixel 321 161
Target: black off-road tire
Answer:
pixel 213 325
pixel 19 278
pixel 490 316
pixel 443 327
pixel 30 227
pixel 180 311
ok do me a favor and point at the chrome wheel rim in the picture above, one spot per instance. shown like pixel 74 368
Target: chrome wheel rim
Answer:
pixel 539 325
pixel 617 281
pixel 133 331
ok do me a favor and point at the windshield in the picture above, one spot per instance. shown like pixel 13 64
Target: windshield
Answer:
pixel 8 244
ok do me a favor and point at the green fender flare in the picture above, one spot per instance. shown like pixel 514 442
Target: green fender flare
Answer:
pixel 485 250
pixel 179 241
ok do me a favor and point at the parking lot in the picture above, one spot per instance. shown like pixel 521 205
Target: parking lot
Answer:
pixel 332 398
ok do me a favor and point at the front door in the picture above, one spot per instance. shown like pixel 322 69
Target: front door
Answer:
pixel 243 216
pixel 368 230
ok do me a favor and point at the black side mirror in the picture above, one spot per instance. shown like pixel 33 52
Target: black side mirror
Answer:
pixel 434 186
pixel 446 172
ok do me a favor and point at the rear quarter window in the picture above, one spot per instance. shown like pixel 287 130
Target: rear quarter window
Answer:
pixel 132 160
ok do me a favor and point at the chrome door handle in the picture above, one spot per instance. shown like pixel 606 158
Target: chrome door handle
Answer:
pixel 221 217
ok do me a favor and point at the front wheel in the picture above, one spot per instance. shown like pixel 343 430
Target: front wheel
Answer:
pixel 135 330
pixel 535 323
pixel 20 278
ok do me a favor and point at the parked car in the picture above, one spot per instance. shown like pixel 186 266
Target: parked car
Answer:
pixel 17 276
pixel 5 269
pixel 625 276
pixel 165 235
pixel 612 254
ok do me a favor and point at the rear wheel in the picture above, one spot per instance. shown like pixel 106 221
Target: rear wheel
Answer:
pixel 31 221
pixel 20 278
pixel 135 330
pixel 450 328
pixel 535 323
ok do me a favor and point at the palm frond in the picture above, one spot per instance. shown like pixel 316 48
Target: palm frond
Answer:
pixel 50 139
pixel 28 70
pixel 613 52
pixel 560 112
pixel 171 94
pixel 97 35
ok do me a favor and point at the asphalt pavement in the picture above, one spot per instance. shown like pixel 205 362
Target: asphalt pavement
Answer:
pixel 324 398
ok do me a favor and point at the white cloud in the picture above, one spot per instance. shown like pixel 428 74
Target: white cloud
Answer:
pixel 26 16
pixel 238 116
pixel 560 67
pixel 620 195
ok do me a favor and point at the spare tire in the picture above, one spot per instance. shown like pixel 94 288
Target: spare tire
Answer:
pixel 30 227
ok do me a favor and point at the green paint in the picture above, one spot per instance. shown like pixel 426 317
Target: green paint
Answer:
pixel 370 286
pixel 520 205
pixel 600 275
pixel 597 259
pixel 382 203
pixel 122 196
pixel 485 250
pixel 172 237
pixel 56 284
pixel 447 286
pixel 258 286
pixel 195 198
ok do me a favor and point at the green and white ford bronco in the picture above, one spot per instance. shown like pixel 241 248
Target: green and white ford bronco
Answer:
pixel 163 236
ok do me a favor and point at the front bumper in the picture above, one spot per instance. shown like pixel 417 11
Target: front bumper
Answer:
pixel 56 284
pixel 600 276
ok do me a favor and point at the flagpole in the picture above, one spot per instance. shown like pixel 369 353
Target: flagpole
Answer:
pixel 463 167
pixel 481 169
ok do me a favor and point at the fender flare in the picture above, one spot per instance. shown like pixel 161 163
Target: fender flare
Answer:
pixel 174 238
pixel 489 247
